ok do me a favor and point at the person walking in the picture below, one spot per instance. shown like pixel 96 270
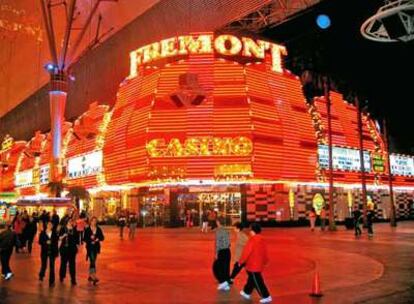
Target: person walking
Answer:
pixel 121 223
pixel 18 226
pixel 241 241
pixel 322 217
pixel 312 218
pixel 204 221
pixel 132 223
pixel 55 220
pixel 48 240
pixel 44 218
pixel 80 227
pixel 370 222
pixel 7 242
pixel 357 215
pixel 69 242
pixel 221 265
pixel 29 232
pixel 255 258
pixel 93 238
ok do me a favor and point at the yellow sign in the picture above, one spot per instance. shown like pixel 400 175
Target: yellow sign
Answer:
pixel 200 146
pixel 227 45
pixel 7 143
pixel 318 202
pixel 233 170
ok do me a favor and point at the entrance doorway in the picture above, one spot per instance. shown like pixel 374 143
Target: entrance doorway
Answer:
pixel 226 204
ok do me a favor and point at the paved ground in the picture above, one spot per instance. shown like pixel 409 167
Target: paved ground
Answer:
pixel 174 266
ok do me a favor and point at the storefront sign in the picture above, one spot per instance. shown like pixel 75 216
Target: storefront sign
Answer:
pixel 402 165
pixel 24 178
pixel 225 45
pixel 85 165
pixel 200 146
pixel 343 159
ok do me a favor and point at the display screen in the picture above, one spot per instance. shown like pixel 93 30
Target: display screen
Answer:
pixel 343 159
pixel 402 165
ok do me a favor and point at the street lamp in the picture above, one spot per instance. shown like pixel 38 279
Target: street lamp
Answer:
pixel 393 221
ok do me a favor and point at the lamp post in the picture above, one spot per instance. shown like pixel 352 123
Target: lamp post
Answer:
pixel 393 221
pixel 361 159
pixel 326 88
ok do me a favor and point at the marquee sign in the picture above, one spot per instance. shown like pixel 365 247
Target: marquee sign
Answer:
pixel 200 146
pixel 225 45
pixel 24 178
pixel 343 159
pixel 402 165
pixel 85 165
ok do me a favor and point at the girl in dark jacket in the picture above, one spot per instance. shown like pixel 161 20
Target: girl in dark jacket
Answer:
pixel 93 238
pixel 69 242
pixel 48 240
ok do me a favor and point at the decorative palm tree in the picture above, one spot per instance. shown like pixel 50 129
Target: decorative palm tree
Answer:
pixel 56 188
pixel 78 193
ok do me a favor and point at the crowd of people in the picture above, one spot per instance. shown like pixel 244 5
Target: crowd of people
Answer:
pixel 58 237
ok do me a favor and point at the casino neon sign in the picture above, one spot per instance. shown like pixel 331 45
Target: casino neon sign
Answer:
pixel 200 146
pixel 225 45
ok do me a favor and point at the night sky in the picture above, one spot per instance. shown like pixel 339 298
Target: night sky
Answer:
pixel 375 71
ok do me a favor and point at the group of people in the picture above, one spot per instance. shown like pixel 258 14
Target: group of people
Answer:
pixel 58 237
pixel 130 220
pixel 250 253
pixel 313 216
pixel 357 220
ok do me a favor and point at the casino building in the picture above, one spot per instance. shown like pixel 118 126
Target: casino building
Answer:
pixel 214 121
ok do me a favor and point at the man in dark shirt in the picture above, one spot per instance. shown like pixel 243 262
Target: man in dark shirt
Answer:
pixel 7 242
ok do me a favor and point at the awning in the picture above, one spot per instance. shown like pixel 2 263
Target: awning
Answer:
pixel 45 202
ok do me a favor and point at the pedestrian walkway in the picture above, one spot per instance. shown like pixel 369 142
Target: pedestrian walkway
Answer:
pixel 174 266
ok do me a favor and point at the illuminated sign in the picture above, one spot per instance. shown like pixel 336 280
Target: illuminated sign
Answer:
pixel 318 202
pixel 233 170
pixel 44 174
pixel 200 146
pixel 378 163
pixel 402 165
pixel 226 45
pixel 343 159
pixel 85 165
pixel 24 178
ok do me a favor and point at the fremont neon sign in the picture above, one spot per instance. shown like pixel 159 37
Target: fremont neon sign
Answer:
pixel 200 146
pixel 225 45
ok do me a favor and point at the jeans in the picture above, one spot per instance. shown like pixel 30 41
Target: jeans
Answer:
pixel 92 262
pixel 132 228
pixel 51 258
pixel 5 255
pixel 65 259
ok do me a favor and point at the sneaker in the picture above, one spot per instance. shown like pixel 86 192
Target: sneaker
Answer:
pixel 245 295
pixel 223 286
pixel 8 276
pixel 266 300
